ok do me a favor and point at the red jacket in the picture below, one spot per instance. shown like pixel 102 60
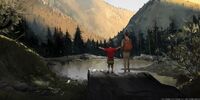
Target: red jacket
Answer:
pixel 110 52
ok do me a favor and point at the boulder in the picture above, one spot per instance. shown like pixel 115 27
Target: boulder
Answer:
pixel 191 88
pixel 20 86
pixel 128 86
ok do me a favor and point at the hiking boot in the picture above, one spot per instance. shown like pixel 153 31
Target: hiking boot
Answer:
pixel 129 70
pixel 125 71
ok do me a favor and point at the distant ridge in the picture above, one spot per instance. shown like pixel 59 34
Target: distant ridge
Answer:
pixel 163 12
pixel 97 19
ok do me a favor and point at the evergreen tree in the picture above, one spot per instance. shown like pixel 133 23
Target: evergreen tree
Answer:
pixel 172 27
pixel 79 47
pixel 93 50
pixel 50 42
pixel 10 17
pixel 141 43
pixel 195 19
pixel 135 43
pixel 96 49
pixel 67 44
pixel 18 30
pixel 89 46
pixel 157 39
pixel 155 33
pixel 185 49
pixel 104 43
pixel 58 42
pixel 33 41
pixel 111 42
pixel 150 42
pixel 153 40
pixel 171 32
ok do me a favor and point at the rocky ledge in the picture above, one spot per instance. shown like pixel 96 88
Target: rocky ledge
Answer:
pixel 128 86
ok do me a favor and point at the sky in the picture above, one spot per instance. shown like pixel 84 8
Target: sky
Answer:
pixel 133 5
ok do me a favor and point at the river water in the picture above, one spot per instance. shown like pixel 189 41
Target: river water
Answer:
pixel 77 69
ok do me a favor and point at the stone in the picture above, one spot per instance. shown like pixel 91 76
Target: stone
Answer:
pixel 128 86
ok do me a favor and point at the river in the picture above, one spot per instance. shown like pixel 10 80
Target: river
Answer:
pixel 77 69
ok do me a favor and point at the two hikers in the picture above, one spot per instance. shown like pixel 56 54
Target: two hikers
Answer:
pixel 126 46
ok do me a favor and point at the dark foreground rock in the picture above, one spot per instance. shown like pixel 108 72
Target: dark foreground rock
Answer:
pixel 128 86
pixel 192 89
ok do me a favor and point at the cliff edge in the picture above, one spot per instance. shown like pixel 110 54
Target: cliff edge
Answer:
pixel 128 86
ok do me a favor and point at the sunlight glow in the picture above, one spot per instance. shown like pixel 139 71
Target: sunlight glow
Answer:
pixel 133 5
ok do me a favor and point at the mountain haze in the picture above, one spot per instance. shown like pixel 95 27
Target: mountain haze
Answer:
pixel 96 15
pixel 40 16
pixel 96 18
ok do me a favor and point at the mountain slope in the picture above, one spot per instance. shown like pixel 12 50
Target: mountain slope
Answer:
pixel 17 62
pixel 96 15
pixel 163 12
pixel 96 18
pixel 41 16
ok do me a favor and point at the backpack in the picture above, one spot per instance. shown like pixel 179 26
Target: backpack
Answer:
pixel 127 45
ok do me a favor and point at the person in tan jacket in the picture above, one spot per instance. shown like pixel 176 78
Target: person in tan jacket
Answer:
pixel 126 46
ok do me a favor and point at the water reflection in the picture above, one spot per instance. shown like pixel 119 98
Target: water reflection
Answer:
pixel 77 69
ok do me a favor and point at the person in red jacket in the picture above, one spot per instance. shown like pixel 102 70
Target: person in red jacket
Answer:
pixel 110 52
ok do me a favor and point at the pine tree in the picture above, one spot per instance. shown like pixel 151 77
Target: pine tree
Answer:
pixel 141 43
pixel 79 47
pixel 195 19
pixel 104 43
pixel 186 51
pixel 18 30
pixel 67 44
pixel 10 17
pixel 149 41
pixel 172 27
pixel 157 39
pixel 58 42
pixel 50 42
pixel 96 49
pixel 111 42
pixel 155 33
pixel 93 50
pixel 171 32
pixel 89 46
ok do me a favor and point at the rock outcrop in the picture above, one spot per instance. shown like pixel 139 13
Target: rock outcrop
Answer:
pixel 128 86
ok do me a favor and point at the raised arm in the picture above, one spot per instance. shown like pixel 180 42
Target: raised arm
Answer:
pixel 101 48
pixel 118 47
